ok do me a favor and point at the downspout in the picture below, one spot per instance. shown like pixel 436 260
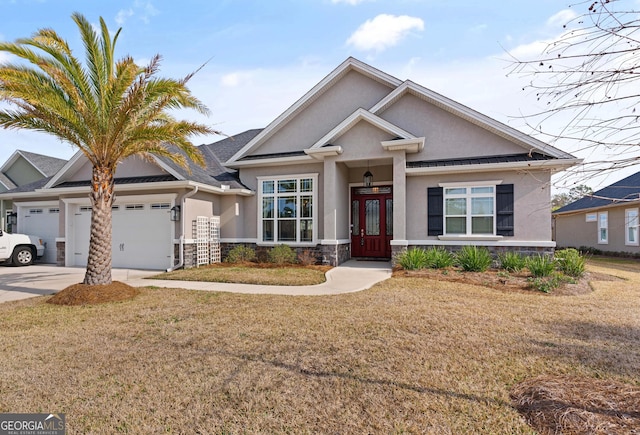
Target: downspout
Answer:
pixel 181 249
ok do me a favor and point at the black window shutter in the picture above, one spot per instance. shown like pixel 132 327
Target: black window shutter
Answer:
pixel 504 206
pixel 434 211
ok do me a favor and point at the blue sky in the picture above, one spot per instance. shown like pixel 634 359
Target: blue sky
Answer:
pixel 264 55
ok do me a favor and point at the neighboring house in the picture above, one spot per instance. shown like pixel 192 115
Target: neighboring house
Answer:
pixel 363 165
pixel 20 169
pixel 607 220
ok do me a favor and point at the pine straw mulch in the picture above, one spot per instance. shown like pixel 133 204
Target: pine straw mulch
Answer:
pixel 577 405
pixel 84 294
pixel 500 280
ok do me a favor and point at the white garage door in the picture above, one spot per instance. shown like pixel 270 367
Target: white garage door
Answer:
pixel 142 237
pixel 41 221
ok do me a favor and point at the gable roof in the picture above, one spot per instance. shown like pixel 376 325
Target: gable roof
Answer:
pixel 224 149
pixel 46 165
pixel 351 64
pixel 6 182
pixel 527 142
pixel 620 192
pixel 398 89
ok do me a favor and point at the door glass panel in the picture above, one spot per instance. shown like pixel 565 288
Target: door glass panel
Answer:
pixel 372 217
pixel 389 217
pixel 355 217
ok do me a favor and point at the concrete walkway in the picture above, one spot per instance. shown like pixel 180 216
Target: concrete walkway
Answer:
pixel 37 280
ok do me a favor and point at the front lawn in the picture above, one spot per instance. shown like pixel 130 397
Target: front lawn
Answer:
pixel 410 355
pixel 250 273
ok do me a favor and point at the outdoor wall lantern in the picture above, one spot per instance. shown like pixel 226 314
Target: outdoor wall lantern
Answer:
pixel 12 218
pixel 175 213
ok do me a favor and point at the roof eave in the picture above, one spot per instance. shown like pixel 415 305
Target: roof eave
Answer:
pixel 553 165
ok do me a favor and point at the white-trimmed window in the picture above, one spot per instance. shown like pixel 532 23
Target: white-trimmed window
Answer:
pixel 287 213
pixel 469 210
pixel 631 226
pixel 603 228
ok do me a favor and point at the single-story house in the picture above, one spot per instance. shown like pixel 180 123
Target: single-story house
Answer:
pixel 22 168
pixel 607 220
pixel 362 165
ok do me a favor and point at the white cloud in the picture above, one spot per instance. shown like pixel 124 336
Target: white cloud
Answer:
pixel 349 2
pixel 561 18
pixel 384 31
pixel 122 16
pixel 142 9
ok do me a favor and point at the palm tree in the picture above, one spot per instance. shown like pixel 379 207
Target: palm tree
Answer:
pixel 108 109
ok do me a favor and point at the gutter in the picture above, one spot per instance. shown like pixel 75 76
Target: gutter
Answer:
pixel 181 250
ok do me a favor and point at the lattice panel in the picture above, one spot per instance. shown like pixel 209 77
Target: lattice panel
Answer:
pixel 202 240
pixel 215 255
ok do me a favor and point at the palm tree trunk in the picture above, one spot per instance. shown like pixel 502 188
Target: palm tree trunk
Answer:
pixel 99 261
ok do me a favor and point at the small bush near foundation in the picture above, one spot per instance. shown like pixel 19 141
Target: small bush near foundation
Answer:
pixel 570 262
pixel 541 265
pixel 282 254
pixel 241 254
pixel 412 259
pixel 512 261
pixel 439 258
pixel 474 258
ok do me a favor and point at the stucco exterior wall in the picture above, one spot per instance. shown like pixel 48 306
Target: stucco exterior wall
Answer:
pixel 446 136
pixel 351 92
pixel 134 166
pixel 572 231
pixel 532 201
pixel 22 172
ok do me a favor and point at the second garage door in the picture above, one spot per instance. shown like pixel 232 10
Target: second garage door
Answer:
pixel 142 236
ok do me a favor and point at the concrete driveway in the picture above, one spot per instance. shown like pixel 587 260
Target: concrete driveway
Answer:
pixel 46 279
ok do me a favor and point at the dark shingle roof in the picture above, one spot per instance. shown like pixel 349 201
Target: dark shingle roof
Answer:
pixel 274 155
pixel 625 190
pixel 48 165
pixel 124 180
pixel 7 182
pixel 508 158
pixel 228 147
pixel 31 186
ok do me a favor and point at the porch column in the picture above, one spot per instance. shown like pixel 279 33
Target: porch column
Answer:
pixel 330 200
pixel 399 198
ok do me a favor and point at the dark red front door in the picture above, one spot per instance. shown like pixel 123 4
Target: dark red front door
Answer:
pixel 371 221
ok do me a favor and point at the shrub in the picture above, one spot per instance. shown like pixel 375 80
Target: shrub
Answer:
pixel 240 254
pixel 570 262
pixel 474 259
pixel 412 259
pixel 439 258
pixel 282 254
pixel 307 258
pixel 546 284
pixel 541 265
pixel 512 261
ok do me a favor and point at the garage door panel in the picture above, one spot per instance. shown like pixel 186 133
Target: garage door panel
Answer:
pixel 41 221
pixel 141 237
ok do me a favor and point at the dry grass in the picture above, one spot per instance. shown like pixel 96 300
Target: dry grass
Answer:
pixel 571 405
pixel 410 355
pixel 251 273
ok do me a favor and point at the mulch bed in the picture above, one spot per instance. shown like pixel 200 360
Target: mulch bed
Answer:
pixel 500 280
pixel 577 405
pixel 84 294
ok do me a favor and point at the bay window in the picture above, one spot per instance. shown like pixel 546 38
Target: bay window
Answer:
pixel 287 212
